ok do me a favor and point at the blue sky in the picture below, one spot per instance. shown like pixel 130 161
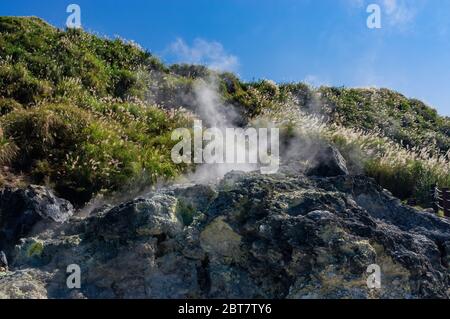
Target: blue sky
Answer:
pixel 317 41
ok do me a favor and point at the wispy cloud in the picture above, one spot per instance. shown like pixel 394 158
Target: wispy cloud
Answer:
pixel 396 13
pixel 211 54
pixel 400 12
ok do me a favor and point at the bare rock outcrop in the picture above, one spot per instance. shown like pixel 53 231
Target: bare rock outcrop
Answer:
pixel 250 236
pixel 24 211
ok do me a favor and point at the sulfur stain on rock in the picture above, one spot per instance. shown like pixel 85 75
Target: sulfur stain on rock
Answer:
pixel 35 249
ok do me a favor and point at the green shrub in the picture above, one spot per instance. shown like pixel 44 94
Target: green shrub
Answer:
pixel 8 105
pixel 44 132
pixel 190 71
pixel 8 149
pixel 82 153
pixel 124 82
pixel 17 83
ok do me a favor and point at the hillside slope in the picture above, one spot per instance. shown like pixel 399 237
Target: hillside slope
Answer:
pixel 88 115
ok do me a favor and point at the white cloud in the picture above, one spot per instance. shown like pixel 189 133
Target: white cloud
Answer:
pixel 211 54
pixel 400 12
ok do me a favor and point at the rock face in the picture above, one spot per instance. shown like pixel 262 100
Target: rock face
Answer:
pixel 250 236
pixel 328 163
pixel 25 210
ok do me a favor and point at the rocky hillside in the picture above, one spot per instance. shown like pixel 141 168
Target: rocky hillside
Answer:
pixel 250 236
pixel 86 178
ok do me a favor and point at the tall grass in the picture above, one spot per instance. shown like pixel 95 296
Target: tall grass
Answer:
pixel 81 152
pixel 8 149
pixel 406 172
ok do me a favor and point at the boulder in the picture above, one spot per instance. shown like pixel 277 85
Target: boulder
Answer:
pixel 22 210
pixel 328 163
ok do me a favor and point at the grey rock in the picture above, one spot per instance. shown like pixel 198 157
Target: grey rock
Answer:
pixel 3 262
pixel 23 211
pixel 261 236
pixel 328 162
pixel 42 201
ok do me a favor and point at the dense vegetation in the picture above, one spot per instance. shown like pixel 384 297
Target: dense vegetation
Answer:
pixel 72 111
pixel 87 115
